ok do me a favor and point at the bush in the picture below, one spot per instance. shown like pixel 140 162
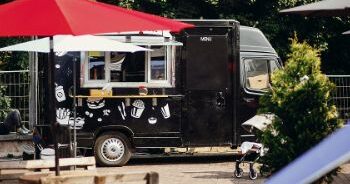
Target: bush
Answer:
pixel 4 103
pixel 300 97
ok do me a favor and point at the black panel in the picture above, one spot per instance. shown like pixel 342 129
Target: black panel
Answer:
pixel 144 117
pixel 158 142
pixel 208 123
pixel 207 58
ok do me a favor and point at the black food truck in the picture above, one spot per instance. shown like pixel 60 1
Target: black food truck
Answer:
pixel 194 89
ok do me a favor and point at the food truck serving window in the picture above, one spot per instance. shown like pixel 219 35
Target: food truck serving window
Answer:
pixel 96 64
pixel 258 71
pixel 127 67
pixel 121 69
pixel 158 68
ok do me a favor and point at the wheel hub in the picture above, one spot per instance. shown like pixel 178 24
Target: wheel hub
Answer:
pixel 112 149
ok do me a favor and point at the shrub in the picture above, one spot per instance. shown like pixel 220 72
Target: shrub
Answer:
pixel 4 103
pixel 300 97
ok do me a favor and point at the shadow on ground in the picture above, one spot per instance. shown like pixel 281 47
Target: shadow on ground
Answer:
pixel 212 174
pixel 180 159
pixel 225 175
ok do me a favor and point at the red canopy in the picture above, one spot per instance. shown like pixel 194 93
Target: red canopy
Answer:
pixel 76 17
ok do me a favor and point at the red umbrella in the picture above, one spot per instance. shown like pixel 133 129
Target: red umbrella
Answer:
pixel 76 17
pixel 73 17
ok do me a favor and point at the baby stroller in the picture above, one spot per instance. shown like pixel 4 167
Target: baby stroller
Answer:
pixel 251 151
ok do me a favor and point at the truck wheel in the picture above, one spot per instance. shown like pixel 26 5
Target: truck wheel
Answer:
pixel 112 149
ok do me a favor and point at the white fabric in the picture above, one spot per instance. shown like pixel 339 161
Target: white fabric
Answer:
pixel 346 32
pixel 246 146
pixel 66 43
pixel 92 43
pixel 325 5
pixel 40 45
pixel 259 122
pixel 142 40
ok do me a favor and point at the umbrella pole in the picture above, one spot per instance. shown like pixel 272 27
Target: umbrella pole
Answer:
pixel 52 104
pixel 75 107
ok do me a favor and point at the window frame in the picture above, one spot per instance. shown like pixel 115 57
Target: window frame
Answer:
pixel 257 91
pixel 167 66
pixel 87 70
pixel 168 83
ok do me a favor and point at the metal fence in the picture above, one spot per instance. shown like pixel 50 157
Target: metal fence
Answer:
pixel 17 89
pixel 341 96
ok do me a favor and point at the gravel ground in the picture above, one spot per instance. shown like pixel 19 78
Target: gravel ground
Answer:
pixel 215 169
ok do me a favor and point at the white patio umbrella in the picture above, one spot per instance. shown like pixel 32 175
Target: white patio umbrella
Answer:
pixel 69 43
pixel 321 8
pixel 39 45
pixel 346 33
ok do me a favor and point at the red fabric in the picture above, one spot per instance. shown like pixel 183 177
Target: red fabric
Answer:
pixel 76 17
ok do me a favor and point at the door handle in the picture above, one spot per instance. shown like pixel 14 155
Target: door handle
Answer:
pixel 248 100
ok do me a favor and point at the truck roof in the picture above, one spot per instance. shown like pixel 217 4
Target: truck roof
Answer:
pixel 210 22
pixel 253 40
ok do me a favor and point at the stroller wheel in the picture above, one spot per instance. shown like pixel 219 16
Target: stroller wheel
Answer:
pixel 264 171
pixel 253 174
pixel 238 173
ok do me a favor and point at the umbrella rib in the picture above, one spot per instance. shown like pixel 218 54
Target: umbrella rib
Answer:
pixel 66 20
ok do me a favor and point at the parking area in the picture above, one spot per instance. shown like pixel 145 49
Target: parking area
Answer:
pixel 182 169
pixel 198 169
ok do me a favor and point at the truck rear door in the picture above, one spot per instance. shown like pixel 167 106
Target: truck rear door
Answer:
pixel 208 57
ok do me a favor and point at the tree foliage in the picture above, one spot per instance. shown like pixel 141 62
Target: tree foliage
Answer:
pixel 300 98
pixel 4 103
pixel 321 32
pixel 13 60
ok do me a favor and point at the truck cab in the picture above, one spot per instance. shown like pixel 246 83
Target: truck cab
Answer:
pixel 258 60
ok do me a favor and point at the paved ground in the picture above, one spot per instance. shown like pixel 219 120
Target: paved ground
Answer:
pixel 214 169
pixel 217 169
pixel 191 170
pixel 344 176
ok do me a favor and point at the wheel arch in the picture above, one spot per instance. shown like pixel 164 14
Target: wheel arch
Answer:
pixel 113 128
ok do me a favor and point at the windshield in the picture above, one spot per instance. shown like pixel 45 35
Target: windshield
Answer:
pixel 258 72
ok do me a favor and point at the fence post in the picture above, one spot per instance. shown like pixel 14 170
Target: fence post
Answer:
pixel 33 89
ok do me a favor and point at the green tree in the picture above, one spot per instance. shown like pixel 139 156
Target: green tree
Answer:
pixel 300 98
pixel 321 32
pixel 13 60
pixel 4 103
pixel 179 9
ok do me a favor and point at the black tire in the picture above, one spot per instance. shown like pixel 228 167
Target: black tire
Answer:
pixel 253 174
pixel 238 173
pixel 264 171
pixel 112 149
